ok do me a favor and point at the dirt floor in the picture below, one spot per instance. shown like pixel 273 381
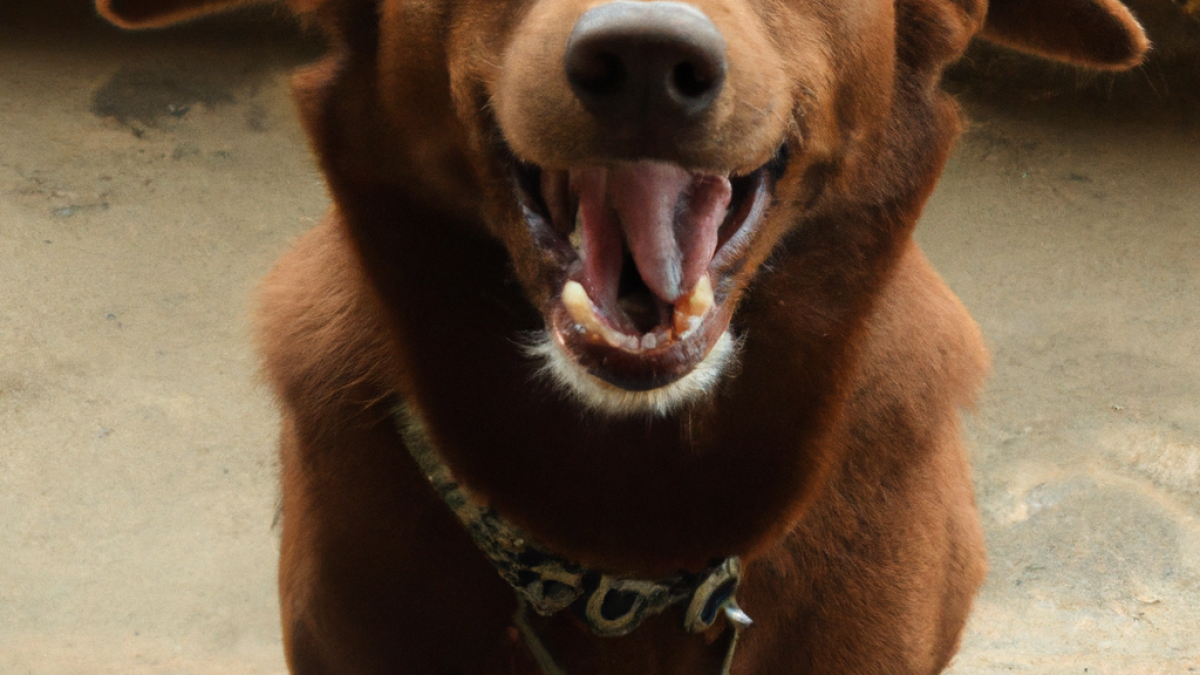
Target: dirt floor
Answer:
pixel 147 181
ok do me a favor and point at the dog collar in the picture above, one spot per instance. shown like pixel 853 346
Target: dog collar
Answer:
pixel 609 605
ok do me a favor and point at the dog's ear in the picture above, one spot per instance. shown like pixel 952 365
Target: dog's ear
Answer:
pixel 1094 33
pixel 150 13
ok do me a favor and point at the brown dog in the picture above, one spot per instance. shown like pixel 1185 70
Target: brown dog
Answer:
pixel 633 285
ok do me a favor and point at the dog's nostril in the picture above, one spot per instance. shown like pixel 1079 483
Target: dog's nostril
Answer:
pixel 690 83
pixel 598 74
pixel 634 64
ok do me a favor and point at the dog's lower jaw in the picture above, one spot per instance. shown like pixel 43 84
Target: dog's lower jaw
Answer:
pixel 597 395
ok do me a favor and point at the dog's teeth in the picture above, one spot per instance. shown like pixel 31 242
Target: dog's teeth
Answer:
pixel 685 325
pixel 583 312
pixel 691 308
pixel 656 339
pixel 576 236
pixel 579 305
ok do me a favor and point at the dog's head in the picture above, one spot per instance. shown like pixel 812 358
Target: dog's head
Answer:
pixel 641 162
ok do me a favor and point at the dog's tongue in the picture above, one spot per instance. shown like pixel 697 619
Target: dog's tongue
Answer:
pixel 669 218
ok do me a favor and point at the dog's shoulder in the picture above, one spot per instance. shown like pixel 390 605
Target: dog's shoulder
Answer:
pixel 894 532
pixel 320 326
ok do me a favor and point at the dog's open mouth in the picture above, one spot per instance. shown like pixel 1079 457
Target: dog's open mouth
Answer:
pixel 645 249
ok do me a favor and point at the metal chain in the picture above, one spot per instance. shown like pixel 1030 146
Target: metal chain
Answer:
pixel 738 621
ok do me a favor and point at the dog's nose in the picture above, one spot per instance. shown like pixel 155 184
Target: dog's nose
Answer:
pixel 645 65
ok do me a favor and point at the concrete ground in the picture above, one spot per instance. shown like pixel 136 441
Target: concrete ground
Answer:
pixel 147 181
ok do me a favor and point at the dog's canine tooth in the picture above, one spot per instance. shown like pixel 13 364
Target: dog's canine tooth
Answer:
pixel 691 308
pixel 583 312
pixel 580 307
pixel 576 236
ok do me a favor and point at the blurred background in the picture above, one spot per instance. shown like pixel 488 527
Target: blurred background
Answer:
pixel 148 180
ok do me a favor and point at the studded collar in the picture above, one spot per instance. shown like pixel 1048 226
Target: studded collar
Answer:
pixel 609 605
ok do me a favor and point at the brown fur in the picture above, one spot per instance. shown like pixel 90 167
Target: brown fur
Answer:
pixel 830 460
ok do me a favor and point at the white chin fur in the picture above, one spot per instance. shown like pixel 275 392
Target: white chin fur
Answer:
pixel 600 396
